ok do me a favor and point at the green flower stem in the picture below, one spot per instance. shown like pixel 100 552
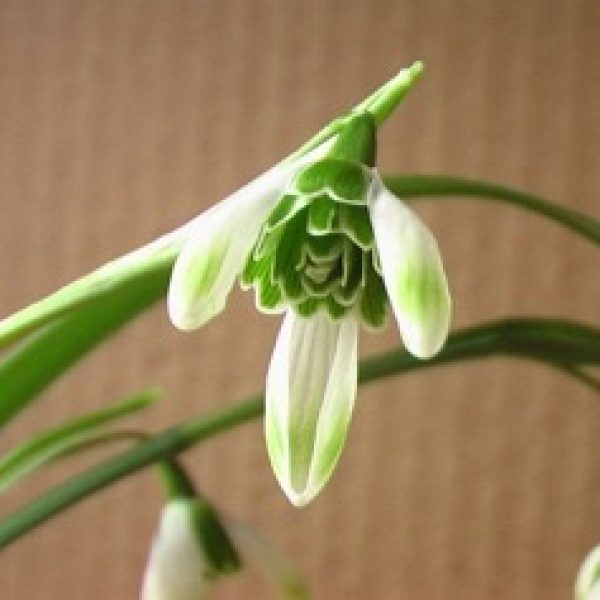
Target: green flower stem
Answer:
pixel 414 186
pixel 532 338
pixel 176 482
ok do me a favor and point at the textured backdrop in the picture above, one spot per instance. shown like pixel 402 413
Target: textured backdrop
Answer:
pixel 121 119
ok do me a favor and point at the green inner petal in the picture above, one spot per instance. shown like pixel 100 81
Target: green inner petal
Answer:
pixel 322 212
pixel 318 252
pixel 357 226
pixel 292 286
pixel 323 248
pixel 287 207
pixel 348 181
pixel 288 252
pixel 307 308
pixel 335 310
pixel 374 301
pixel 254 270
pixel 269 296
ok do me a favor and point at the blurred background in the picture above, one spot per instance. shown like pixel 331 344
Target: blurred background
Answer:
pixel 121 119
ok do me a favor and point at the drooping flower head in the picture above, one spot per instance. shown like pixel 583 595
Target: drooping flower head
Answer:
pixel 323 240
pixel 189 551
pixel 193 549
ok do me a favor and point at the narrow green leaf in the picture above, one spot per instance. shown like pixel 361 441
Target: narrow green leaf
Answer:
pixel 63 439
pixel 46 354
pixel 127 271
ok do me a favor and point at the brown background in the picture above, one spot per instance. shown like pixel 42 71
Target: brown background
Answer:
pixel 121 119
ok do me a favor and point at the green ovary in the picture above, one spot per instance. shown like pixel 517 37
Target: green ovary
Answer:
pixel 317 253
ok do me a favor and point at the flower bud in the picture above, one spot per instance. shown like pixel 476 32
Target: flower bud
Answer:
pixel 189 551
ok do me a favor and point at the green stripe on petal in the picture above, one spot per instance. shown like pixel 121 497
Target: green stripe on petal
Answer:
pixel 336 411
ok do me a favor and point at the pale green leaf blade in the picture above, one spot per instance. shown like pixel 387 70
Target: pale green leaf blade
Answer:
pixel 23 374
pixel 36 452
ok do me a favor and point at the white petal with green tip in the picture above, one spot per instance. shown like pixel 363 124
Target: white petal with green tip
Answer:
pixel 217 249
pixel 176 567
pixel 311 387
pixel 412 272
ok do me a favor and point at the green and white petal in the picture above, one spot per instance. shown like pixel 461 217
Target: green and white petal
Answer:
pixel 217 249
pixel 587 585
pixel 176 568
pixel 412 272
pixel 311 387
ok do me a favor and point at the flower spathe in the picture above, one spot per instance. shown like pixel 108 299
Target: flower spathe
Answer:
pixel 324 241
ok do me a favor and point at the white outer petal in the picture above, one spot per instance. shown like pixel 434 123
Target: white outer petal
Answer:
pixel 413 272
pixel 217 249
pixel 219 242
pixel 175 569
pixel 311 387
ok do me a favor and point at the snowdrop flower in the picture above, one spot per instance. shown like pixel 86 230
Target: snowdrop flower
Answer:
pixel 189 541
pixel 178 568
pixel 325 242
pixel 587 585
